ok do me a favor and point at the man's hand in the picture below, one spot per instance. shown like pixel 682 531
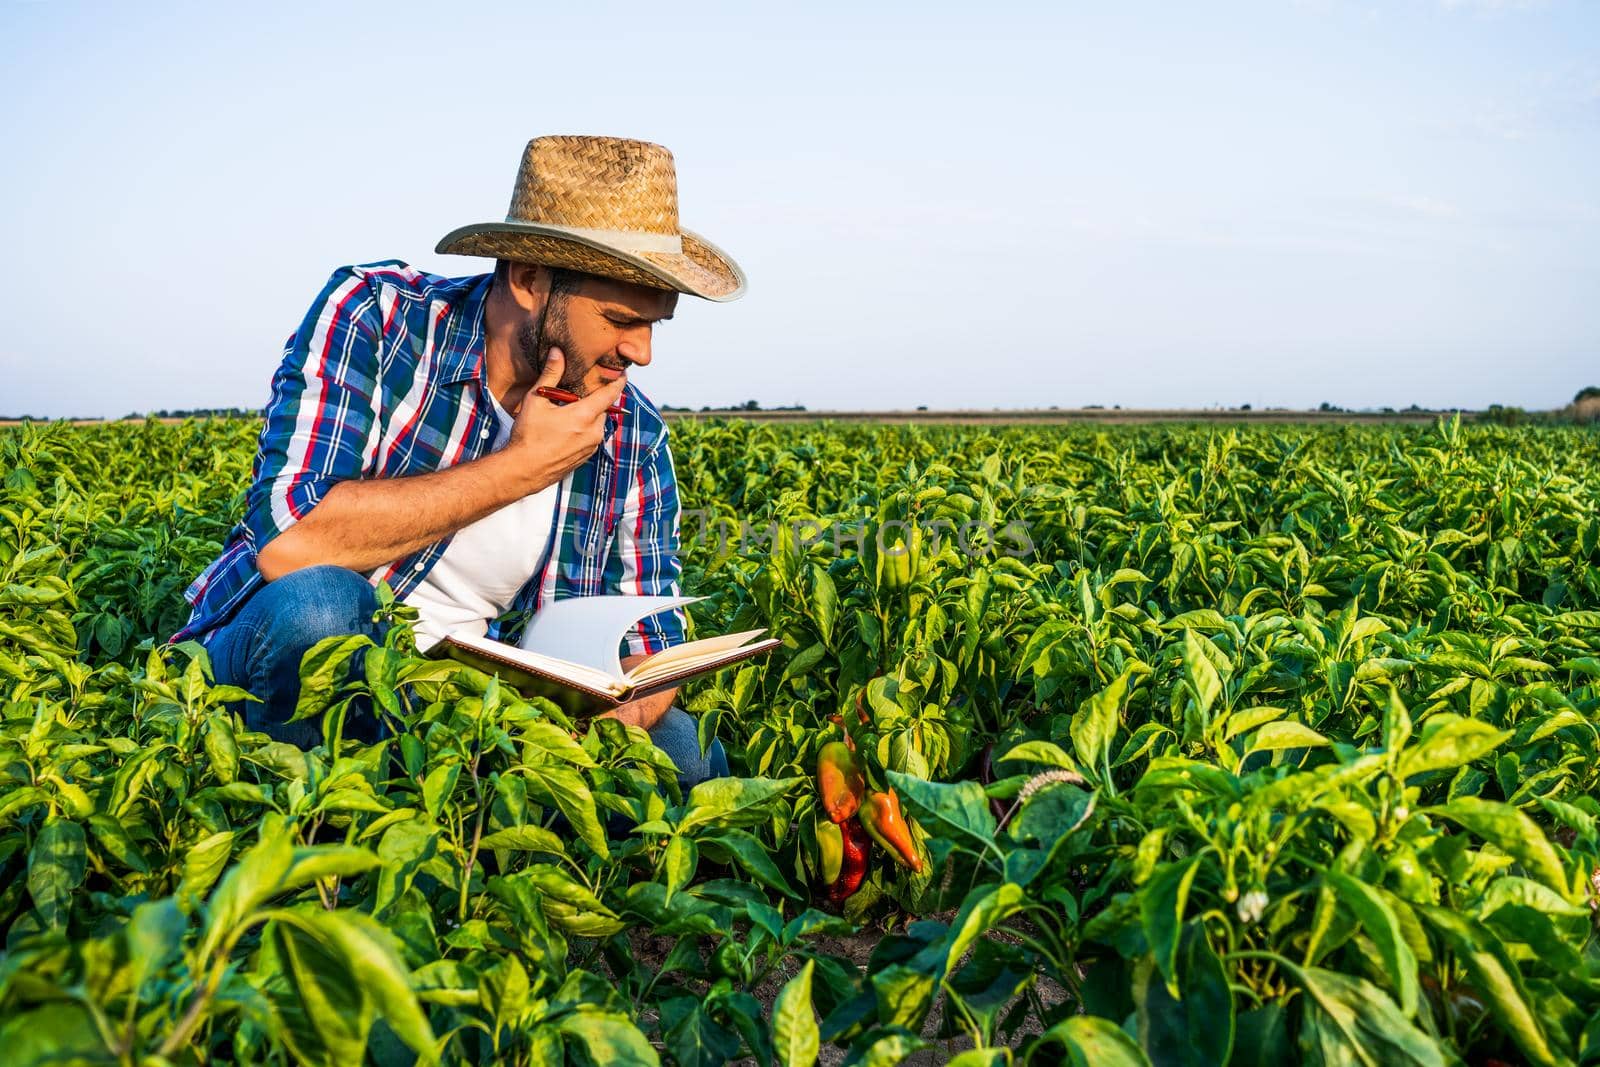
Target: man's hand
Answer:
pixel 364 523
pixel 644 712
pixel 549 439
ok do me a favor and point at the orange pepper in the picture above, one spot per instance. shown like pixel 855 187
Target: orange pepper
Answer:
pixel 839 781
pixel 881 816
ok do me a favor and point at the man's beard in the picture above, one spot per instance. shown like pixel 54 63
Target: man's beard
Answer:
pixel 534 344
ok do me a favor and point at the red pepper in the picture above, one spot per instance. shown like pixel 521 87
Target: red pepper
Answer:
pixel 839 781
pixel 853 863
pixel 881 816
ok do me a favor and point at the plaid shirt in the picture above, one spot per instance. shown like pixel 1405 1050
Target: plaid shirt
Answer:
pixel 386 377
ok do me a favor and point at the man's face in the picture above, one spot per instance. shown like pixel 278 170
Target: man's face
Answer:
pixel 603 329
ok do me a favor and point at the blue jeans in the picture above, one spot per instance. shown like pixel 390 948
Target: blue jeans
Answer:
pixel 260 648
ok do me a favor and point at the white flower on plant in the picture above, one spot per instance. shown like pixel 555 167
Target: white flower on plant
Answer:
pixel 1252 906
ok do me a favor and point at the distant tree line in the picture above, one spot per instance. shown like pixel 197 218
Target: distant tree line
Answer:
pixel 748 405
pixel 199 413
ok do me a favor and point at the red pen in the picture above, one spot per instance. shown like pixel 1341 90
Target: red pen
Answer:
pixel 561 396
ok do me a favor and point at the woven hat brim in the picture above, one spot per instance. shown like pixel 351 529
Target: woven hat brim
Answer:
pixel 702 269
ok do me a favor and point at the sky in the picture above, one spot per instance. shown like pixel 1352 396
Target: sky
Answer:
pixel 953 205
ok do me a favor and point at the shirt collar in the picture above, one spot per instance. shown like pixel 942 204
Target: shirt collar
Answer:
pixel 461 353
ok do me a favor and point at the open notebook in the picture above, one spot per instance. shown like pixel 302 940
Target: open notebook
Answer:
pixel 570 654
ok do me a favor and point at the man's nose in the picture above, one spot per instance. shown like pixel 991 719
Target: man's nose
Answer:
pixel 635 351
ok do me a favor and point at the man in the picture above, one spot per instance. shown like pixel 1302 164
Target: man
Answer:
pixel 404 441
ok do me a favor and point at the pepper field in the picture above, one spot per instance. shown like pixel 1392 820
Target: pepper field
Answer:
pixel 1212 745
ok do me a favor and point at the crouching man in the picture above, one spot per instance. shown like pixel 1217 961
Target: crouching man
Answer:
pixel 406 441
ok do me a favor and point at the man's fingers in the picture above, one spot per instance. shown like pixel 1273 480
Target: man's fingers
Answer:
pixel 554 363
pixel 605 396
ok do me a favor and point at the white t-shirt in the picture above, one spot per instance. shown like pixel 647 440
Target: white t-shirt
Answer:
pixel 486 563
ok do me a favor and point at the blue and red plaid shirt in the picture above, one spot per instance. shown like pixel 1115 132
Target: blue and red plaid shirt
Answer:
pixel 386 377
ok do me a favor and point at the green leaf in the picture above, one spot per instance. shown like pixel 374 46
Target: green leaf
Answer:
pixel 1370 908
pixel 221 749
pixel 113 837
pixel 693 1036
pixel 891 1050
pixel 1095 724
pixel 1199 671
pixel 986 984
pixel 802 662
pixel 904 994
pixel 154 935
pixel 54 1033
pixel 16 800
pixel 979 1057
pixel 609 1038
pixel 946 808
pixel 571 795
pixel 824 603
pixel 324 670
pixel 1348 1020
pixel 745 849
pixel 795 1039
pixel 327 861
pixel 1512 832
pixel 678 863
pixel 1396 723
pixel 1261 1037
pixel 255 879
pixel 438 786
pixel 1280 735
pixel 524 839
pixel 1449 741
pixel 1052 813
pixel 1090 1041
pixel 203 865
pixel 322 1014
pixel 1162 902
pixel 984 909
pixel 1496 978
pixel 403 849
pixel 568 903
pixel 1243 720
pixel 57 864
pixel 1046 752
pixel 1196 1028
pixel 551 740
pixel 370 960
pixel 733 801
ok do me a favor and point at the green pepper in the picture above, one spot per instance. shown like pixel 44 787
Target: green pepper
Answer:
pixel 896 565
pixel 830 846
pixel 727 962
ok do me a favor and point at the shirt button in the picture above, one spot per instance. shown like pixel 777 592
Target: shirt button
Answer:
pixel 484 432
pixel 419 568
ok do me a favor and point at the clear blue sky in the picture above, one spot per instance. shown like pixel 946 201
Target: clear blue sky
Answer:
pixel 953 205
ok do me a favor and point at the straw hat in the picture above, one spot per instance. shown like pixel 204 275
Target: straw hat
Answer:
pixel 606 206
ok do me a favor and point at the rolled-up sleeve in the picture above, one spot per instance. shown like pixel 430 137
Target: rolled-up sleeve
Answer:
pixel 322 413
pixel 643 560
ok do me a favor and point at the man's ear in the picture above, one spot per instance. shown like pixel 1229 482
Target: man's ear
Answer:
pixel 529 285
